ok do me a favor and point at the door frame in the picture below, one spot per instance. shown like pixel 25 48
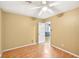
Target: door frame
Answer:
pixel 38 34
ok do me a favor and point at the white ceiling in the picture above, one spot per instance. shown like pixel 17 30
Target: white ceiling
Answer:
pixel 24 8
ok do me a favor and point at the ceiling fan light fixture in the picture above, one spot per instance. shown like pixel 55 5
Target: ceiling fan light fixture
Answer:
pixel 45 8
pixel 43 2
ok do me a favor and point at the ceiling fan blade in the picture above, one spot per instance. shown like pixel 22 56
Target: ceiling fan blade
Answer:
pixel 54 4
pixel 40 13
pixel 35 7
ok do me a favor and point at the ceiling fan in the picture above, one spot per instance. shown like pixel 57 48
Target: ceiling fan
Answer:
pixel 45 6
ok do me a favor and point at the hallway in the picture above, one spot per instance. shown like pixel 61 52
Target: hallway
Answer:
pixel 36 51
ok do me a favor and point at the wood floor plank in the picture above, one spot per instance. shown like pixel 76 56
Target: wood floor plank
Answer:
pixel 36 51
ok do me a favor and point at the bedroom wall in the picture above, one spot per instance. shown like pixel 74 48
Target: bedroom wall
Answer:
pixel 65 30
pixel 18 30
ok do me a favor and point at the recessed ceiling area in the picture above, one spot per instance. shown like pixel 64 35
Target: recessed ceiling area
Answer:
pixel 38 9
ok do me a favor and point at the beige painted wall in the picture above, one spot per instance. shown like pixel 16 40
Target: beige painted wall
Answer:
pixel 18 30
pixel 65 32
pixel 0 29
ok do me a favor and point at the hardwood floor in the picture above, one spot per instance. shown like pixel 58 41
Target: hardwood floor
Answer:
pixel 36 51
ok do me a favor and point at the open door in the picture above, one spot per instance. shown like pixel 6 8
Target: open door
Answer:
pixel 41 32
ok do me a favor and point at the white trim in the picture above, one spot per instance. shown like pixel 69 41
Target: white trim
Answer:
pixel 0 55
pixel 18 47
pixel 65 51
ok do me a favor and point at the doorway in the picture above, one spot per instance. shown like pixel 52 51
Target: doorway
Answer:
pixel 48 32
pixel 44 32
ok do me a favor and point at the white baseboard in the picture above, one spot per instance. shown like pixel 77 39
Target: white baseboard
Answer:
pixel 18 47
pixel 66 51
pixel 0 55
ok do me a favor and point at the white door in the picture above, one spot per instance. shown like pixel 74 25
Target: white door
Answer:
pixel 41 32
